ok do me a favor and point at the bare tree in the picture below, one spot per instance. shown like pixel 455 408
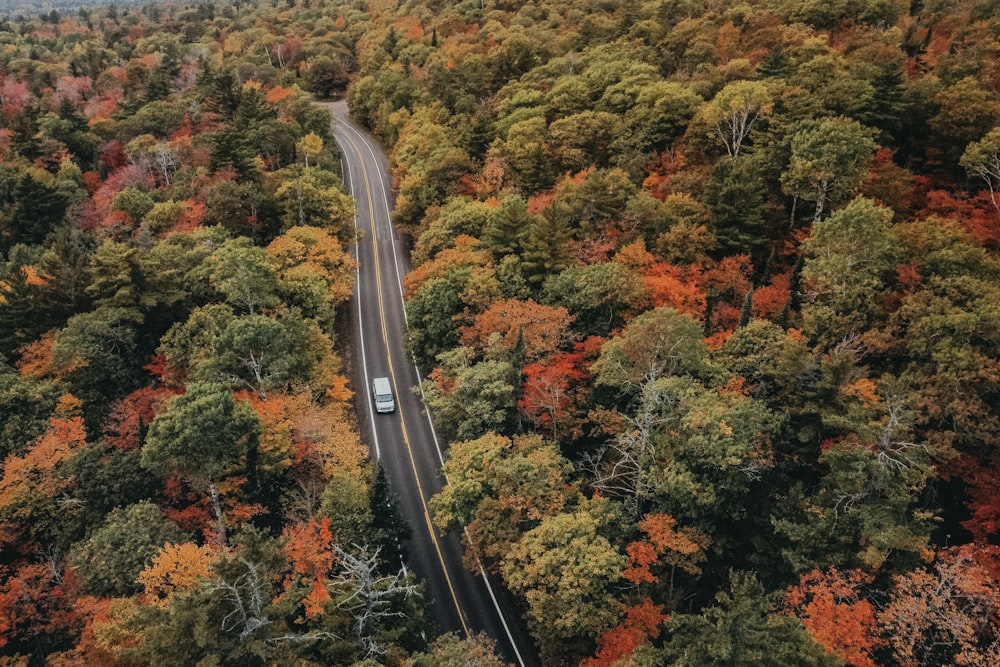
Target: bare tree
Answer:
pixel 891 450
pixel 617 469
pixel 246 597
pixel 165 158
pixel 369 596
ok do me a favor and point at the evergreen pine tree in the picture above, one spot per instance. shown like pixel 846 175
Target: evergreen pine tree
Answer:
pixel 390 531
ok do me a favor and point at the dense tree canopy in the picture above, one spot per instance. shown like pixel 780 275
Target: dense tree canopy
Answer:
pixel 706 293
pixel 771 228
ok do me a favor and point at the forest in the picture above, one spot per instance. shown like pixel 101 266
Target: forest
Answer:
pixel 708 293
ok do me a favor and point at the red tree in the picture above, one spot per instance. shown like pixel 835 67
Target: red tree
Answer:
pixel 553 393
pixel 642 623
pixel 309 548
pixel 36 605
pixel 125 424
pixel 836 614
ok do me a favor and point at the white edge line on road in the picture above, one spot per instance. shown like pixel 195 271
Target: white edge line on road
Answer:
pixel 357 290
pixel 420 386
pixel 503 620
pixel 399 280
pixel 388 216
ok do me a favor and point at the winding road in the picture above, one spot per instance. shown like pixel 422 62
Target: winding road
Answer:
pixel 404 441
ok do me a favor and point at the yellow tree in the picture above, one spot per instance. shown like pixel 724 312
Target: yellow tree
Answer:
pixel 178 567
pixel 564 568
pixel 309 146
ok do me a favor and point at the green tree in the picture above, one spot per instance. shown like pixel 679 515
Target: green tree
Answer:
pixel 523 151
pixel 498 488
pixel 449 650
pixel 95 352
pixel 117 279
pixel 231 148
pixel 228 618
pixel 504 232
pixel 470 399
pixel 66 265
pixel 345 501
pixel 948 356
pixel 583 139
pixel 659 116
pixel 741 629
pixel 435 163
pixel 110 559
pixel 242 208
pixel 770 359
pixel 244 275
pixel 431 316
pixel 659 343
pixel 312 196
pixel 202 435
pixel 546 244
pixel 133 201
pixel 38 208
pixel 867 507
pixel 737 197
pixel 732 113
pixel 106 478
pixel 713 456
pixel 24 128
pixel 982 159
pixel 324 75
pixel 965 108
pixel 847 260
pixel 253 351
pixel 600 297
pixel 829 159
pixel 158 118
pixel 18 305
pixel 273 141
pixel 25 405
pixel 389 531
pixel 190 345
pixel 178 272
pixel 595 197
pixel 460 216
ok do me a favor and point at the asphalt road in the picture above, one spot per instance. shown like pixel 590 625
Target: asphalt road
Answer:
pixel 405 441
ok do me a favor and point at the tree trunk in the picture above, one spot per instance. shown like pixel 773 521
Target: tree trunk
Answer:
pixel 820 200
pixel 298 192
pixel 217 509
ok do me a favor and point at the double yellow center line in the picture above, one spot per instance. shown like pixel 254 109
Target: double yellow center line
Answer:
pixel 392 373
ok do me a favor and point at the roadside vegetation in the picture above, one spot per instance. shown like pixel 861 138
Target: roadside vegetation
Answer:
pixel 707 293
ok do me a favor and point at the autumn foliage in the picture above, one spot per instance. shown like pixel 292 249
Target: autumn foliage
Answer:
pixel 641 624
pixel 834 608
pixel 707 296
pixel 178 567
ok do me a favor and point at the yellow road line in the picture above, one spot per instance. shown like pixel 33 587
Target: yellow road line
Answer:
pixel 392 373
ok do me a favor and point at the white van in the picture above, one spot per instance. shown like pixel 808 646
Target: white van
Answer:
pixel 382 393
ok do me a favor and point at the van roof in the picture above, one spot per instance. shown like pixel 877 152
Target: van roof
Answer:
pixel 381 383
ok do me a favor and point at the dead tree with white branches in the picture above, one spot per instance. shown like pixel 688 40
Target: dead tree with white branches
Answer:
pixel 369 596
